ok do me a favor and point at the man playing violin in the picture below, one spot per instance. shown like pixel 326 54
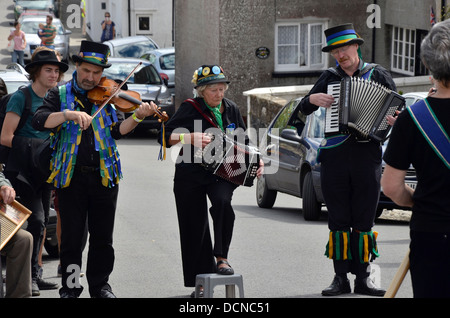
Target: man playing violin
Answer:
pixel 86 169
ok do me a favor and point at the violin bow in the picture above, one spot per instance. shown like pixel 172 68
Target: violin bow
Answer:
pixel 117 90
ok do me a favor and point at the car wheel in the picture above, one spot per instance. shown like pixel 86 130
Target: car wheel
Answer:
pixel 311 207
pixel 264 197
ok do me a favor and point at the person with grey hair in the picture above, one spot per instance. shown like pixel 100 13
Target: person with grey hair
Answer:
pixel 420 137
pixel 194 185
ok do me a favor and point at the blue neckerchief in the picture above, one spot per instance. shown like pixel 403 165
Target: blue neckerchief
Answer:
pixel 75 84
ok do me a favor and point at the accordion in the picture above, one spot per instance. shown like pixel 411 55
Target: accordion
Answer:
pixel 361 106
pixel 229 159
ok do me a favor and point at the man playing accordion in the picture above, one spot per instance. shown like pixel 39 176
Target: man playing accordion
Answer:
pixel 350 170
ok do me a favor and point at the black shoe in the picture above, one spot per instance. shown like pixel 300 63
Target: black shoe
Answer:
pixel 365 286
pixel 340 285
pixel 228 270
pixel 67 294
pixel 200 294
pixel 45 285
pixel 104 293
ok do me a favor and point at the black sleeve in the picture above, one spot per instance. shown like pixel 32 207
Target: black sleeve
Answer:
pixel 400 142
pixel 184 117
pixel 383 76
pixel 321 86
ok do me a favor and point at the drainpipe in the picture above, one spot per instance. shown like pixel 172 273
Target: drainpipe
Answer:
pixel 374 35
pixel 129 17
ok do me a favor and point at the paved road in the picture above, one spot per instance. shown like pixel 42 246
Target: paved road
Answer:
pixel 279 254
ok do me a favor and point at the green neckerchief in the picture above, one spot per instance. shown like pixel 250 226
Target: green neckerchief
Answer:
pixel 217 113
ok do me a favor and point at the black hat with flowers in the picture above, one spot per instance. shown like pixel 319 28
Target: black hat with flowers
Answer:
pixel 209 74
pixel 94 53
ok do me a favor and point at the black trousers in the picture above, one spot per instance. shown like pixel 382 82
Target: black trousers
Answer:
pixel 350 180
pixel 192 188
pixel 86 199
pixel 38 202
pixel 429 264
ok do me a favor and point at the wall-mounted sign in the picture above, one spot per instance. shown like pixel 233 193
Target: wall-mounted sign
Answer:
pixel 262 52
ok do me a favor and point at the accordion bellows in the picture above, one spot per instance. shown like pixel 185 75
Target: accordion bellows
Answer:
pixel 361 107
pixel 229 159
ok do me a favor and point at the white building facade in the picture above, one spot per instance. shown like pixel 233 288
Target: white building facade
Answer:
pixel 152 18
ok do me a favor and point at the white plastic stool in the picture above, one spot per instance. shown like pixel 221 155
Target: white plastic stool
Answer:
pixel 209 281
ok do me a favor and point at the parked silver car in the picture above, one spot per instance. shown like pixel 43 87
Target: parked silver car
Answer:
pixel 414 97
pixel 30 26
pixel 164 62
pixel 147 81
pixel 14 77
pixel 42 5
pixel 132 46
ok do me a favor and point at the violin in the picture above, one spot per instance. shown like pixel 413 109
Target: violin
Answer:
pixel 109 91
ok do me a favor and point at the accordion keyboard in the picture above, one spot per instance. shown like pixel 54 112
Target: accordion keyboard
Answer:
pixel 332 113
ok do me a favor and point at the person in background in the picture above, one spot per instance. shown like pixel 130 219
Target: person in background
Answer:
pixel 412 142
pixel 45 71
pixel 48 33
pixel 20 43
pixel 108 28
pixel 83 16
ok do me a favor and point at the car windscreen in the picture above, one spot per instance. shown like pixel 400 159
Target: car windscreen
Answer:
pixel 32 27
pixel 167 62
pixel 133 49
pixel 143 75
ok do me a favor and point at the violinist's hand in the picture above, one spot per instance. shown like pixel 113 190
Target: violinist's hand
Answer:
pixel 146 109
pixel 8 194
pixel 81 118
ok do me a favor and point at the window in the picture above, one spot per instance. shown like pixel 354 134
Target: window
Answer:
pixel 144 24
pixel 403 50
pixel 298 46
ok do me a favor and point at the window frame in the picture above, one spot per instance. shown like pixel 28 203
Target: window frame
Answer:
pixel 283 68
pixel 400 44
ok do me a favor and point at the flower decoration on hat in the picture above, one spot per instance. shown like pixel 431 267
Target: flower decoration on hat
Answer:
pixel 209 74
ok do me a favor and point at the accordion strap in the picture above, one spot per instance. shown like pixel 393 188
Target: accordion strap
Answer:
pixel 194 103
pixel 431 128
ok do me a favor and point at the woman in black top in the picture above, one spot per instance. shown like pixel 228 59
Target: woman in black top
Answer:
pixel 430 201
pixel 193 185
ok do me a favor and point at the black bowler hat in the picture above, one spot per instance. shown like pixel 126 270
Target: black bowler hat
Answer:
pixel 340 36
pixel 43 57
pixel 209 74
pixel 93 53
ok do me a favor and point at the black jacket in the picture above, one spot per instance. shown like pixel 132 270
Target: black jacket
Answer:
pixel 189 118
pixel 379 75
